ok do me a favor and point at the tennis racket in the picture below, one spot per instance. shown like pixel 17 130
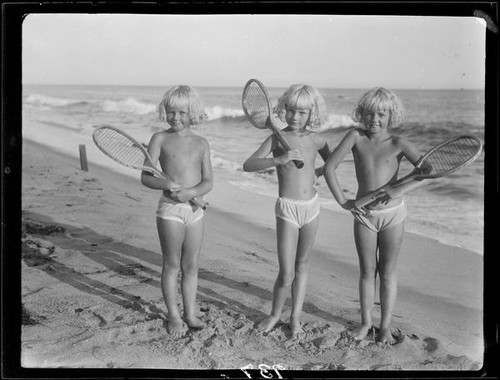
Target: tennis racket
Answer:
pixel 124 149
pixel 442 160
pixel 257 107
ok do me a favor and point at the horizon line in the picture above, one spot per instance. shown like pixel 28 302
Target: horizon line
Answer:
pixel 241 86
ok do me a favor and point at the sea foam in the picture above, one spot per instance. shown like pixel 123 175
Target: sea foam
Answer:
pixel 50 101
pixel 129 105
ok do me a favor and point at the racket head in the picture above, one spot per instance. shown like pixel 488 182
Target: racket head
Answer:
pixel 121 147
pixel 256 103
pixel 448 157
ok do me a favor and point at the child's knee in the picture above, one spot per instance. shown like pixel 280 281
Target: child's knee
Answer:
pixel 368 273
pixel 190 268
pixel 388 276
pixel 301 267
pixel 171 268
pixel 285 278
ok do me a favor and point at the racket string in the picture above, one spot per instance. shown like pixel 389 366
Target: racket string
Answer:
pixel 450 156
pixel 121 148
pixel 255 103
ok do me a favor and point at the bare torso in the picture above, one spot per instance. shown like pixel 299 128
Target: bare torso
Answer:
pixel 297 183
pixel 181 157
pixel 377 164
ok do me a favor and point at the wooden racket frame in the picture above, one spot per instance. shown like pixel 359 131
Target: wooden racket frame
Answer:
pixel 270 125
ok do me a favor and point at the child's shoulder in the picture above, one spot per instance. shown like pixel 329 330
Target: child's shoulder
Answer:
pixel 319 138
pixel 355 133
pixel 168 136
pixel 399 140
pixel 203 140
pixel 199 141
pixel 171 134
pixel 160 136
pixel 403 144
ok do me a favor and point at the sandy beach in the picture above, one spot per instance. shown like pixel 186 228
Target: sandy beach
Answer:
pixel 91 265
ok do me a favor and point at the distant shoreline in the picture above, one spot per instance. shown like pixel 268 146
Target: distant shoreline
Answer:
pixel 242 85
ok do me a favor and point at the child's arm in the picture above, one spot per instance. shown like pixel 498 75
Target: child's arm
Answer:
pixel 149 180
pixel 324 152
pixel 333 162
pixel 184 194
pixel 259 160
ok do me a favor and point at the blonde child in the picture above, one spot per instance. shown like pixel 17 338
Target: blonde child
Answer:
pixel 185 159
pixel 297 208
pixel 380 226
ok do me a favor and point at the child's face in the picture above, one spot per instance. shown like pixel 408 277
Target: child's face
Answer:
pixel 376 120
pixel 297 118
pixel 178 117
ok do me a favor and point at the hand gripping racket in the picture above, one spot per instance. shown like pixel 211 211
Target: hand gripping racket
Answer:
pixel 442 160
pixel 257 107
pixel 124 149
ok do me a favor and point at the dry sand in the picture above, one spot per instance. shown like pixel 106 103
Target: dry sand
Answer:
pixel 91 284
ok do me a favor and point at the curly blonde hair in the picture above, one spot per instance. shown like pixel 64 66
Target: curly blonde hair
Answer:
pixel 182 95
pixel 379 98
pixel 306 97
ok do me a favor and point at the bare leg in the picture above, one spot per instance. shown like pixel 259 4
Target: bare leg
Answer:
pixel 389 245
pixel 307 234
pixel 189 266
pixel 287 236
pixel 171 234
pixel 366 245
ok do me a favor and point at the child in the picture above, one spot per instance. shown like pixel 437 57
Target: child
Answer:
pixel 380 226
pixel 297 208
pixel 185 159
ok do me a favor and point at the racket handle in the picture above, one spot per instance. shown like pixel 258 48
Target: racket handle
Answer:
pixel 368 199
pixel 377 194
pixel 199 202
pixel 299 164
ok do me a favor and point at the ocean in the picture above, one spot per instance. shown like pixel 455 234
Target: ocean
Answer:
pixel 448 209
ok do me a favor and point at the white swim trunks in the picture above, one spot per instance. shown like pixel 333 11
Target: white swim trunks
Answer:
pixel 379 220
pixel 298 212
pixel 179 212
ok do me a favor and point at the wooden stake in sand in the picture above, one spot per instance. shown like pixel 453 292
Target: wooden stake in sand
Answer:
pixel 83 158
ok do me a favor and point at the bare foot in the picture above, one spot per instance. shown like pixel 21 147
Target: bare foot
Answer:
pixel 295 327
pixel 385 337
pixel 195 323
pixel 267 324
pixel 176 327
pixel 361 332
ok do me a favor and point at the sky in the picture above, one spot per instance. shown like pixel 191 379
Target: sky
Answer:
pixel 326 51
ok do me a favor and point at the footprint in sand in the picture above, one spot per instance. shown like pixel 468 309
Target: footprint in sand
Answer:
pixel 431 344
pixel 326 342
pixel 28 318
pixel 90 184
pixel 34 254
pixel 113 335
pixel 41 229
